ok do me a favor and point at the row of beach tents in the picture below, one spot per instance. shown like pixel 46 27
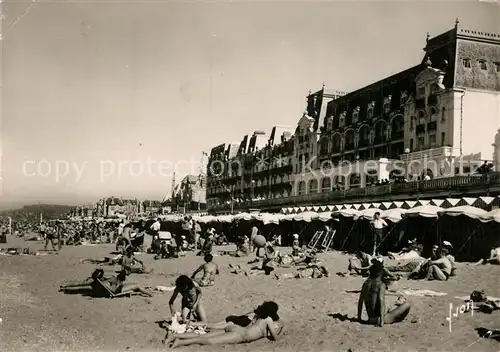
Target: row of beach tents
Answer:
pixel 394 215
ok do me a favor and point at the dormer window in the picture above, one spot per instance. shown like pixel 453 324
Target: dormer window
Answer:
pixel 482 65
pixel 421 93
pixel 387 104
pixel 355 115
pixel 403 98
pixel 370 110
pixel 329 123
pixel 466 63
pixel 342 120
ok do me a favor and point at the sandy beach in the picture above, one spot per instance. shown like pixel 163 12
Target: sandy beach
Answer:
pixel 36 317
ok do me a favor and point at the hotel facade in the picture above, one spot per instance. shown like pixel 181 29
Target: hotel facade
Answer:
pixel 433 120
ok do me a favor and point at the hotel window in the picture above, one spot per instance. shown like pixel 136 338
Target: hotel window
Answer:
pixel 443 114
pixel 432 140
pixel 442 138
pixel 412 121
pixel 421 117
pixel 420 143
pixel 482 65
pixel 466 63
pixel 411 144
pixel 497 66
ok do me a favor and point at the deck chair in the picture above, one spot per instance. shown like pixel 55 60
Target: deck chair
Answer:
pixel 110 293
pixel 314 241
pixel 328 239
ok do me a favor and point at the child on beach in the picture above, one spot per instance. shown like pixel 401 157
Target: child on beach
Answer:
pixel 210 270
pixel 191 298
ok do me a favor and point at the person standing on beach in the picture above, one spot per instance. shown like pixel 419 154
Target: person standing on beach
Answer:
pixel 155 229
pixel 49 237
pixel 253 233
pixel 378 226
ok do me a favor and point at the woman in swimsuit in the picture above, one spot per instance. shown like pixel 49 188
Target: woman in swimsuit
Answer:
pixel 262 325
pixel 117 285
pixel 191 297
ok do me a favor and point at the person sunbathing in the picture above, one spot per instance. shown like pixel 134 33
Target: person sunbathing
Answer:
pixel 412 252
pixel 129 262
pixel 107 260
pixel 116 284
pixel 493 259
pixel 372 297
pixel 191 298
pixel 262 325
pixel 210 270
pixel 88 284
pixel 312 271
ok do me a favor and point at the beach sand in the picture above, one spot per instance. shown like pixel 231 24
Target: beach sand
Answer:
pixel 36 317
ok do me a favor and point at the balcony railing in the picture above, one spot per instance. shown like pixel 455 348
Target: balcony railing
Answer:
pixel 460 184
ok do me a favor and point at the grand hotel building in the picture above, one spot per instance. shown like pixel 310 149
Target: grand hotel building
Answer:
pixel 445 108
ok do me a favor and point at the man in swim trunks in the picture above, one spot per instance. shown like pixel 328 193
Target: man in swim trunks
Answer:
pixel 210 270
pixel 439 269
pixel 372 297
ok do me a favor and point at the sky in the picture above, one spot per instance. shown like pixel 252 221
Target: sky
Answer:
pixel 109 98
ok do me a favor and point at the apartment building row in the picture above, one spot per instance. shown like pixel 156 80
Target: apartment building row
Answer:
pixel 428 117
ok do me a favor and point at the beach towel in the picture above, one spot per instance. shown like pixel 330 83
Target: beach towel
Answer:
pixel 421 293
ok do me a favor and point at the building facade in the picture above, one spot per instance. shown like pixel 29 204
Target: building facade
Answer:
pixel 259 169
pixel 432 120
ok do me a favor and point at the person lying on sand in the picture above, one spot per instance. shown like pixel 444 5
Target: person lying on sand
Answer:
pixel 493 259
pixel 412 252
pixel 107 260
pixel 372 296
pixel 210 270
pixel 88 284
pixel 191 299
pixel 261 326
pixel 312 271
pixel 129 262
pixel 117 284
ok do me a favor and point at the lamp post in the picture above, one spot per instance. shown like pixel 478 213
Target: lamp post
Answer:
pixel 407 153
pixel 253 185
